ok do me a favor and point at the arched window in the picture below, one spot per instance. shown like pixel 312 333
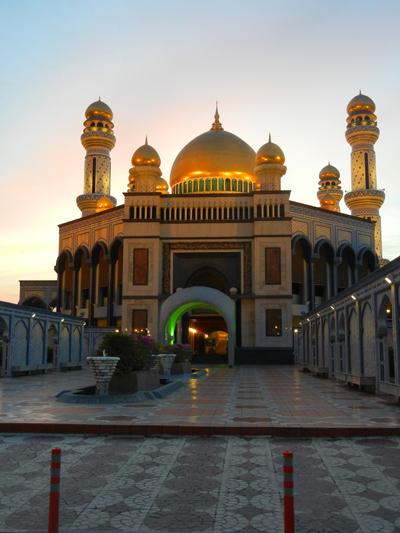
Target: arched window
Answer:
pixel 234 184
pixel 190 186
pixel 221 184
pixel 227 184
pixel 202 185
pixel 208 183
pixel 240 185
pixel 245 186
pixel 250 186
pixel 196 186
pixel 185 187
pixel 214 184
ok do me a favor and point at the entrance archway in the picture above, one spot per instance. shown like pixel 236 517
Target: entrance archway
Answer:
pixel 184 300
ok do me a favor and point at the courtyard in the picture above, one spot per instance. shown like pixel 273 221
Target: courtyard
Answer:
pixel 226 479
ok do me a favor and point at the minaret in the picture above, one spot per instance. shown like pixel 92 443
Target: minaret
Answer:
pixel 145 175
pixel 330 192
pixel 362 132
pixel 98 139
pixel 270 166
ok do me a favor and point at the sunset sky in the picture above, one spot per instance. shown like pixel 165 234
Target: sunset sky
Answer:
pixel 285 67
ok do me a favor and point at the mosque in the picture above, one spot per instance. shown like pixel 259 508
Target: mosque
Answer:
pixel 220 256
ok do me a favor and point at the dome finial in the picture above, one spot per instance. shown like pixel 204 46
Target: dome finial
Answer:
pixel 145 141
pixel 99 99
pixel 269 137
pixel 359 92
pixel 217 126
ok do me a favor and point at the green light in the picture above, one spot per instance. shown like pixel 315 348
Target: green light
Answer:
pixel 179 312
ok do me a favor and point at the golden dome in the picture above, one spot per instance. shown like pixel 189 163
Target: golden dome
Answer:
pixel 146 155
pixel 270 153
pixel 215 153
pixel 99 109
pixel 329 173
pixel 361 104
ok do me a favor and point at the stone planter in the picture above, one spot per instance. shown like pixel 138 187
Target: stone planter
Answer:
pixel 165 362
pixel 103 368
pixel 185 367
pixel 135 381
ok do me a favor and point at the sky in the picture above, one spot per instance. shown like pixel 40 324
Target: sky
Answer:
pixel 288 67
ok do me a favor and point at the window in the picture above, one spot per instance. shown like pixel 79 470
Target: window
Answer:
pixel 272 266
pixel 139 321
pixel 140 266
pixel 273 322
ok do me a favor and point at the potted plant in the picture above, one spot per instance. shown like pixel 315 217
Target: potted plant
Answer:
pixel 183 357
pixel 136 369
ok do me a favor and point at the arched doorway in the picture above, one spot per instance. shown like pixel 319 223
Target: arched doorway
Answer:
pixel 200 299
pixel 346 267
pixel 4 340
pixel 385 335
pixel 52 341
pixel 301 269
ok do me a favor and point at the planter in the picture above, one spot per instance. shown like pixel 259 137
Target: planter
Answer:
pixel 185 367
pixel 165 362
pixel 103 368
pixel 135 381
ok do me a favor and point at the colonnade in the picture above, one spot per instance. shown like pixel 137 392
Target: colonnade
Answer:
pixel 355 336
pixel 90 283
pixel 321 272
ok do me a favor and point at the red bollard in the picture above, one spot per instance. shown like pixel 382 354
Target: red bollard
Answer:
pixel 54 501
pixel 288 499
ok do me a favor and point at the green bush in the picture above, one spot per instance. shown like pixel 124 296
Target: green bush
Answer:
pixel 134 352
pixel 183 352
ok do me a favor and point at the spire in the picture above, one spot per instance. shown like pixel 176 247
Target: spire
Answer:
pixel 145 141
pixel 217 126
pixel 269 137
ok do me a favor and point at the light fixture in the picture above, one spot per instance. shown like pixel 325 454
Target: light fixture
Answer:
pixel 296 330
pixel 388 280
pixel 353 297
pixel 83 323
pixel 318 315
pixel 117 331
pixel 33 315
pixel 332 307
pixel 388 311
pixel 308 320
pixel 62 320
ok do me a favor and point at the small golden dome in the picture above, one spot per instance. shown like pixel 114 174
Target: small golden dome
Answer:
pixel 270 153
pixel 146 155
pixel 213 153
pixel 99 109
pixel 361 104
pixel 329 173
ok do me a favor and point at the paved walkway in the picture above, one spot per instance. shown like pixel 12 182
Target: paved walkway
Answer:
pixel 241 399
pixel 200 484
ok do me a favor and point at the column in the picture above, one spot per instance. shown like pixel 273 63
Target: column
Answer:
pixel 111 293
pixel 92 292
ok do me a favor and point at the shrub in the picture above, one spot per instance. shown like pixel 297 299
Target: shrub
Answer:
pixel 134 352
pixel 184 352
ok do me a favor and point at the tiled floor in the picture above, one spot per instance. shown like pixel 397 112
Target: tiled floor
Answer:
pixel 242 397
pixel 200 484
